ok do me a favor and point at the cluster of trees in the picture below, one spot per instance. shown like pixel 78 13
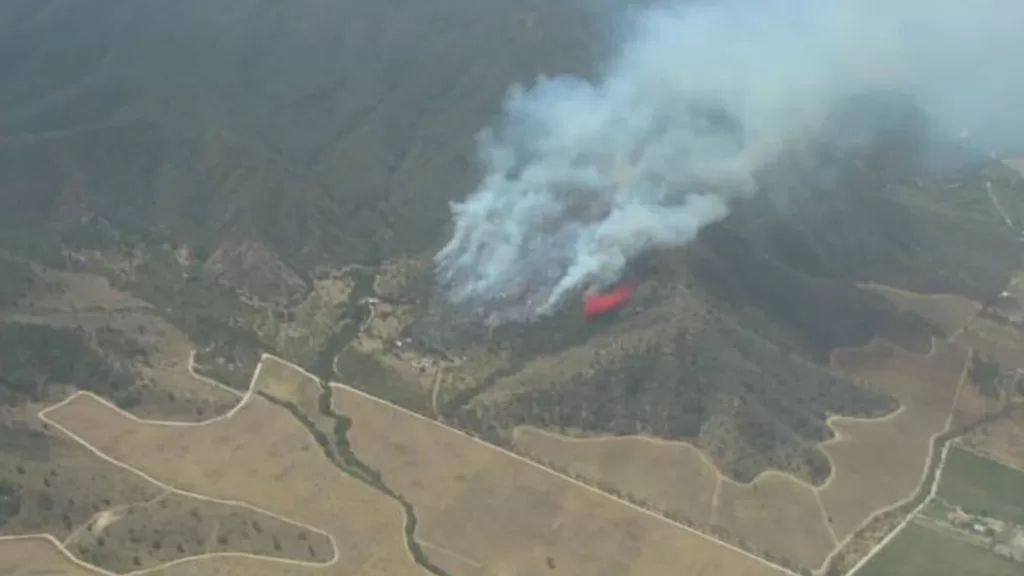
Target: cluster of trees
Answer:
pixel 772 405
pixel 35 357
pixel 985 374
pixel 15 280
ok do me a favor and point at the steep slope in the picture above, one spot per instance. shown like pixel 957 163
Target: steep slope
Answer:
pixel 247 167
pixel 728 345
pixel 219 159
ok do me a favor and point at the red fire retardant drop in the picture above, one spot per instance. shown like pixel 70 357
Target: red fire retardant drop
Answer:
pixel 605 302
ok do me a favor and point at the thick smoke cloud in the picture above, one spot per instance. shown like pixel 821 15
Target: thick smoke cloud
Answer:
pixel 580 177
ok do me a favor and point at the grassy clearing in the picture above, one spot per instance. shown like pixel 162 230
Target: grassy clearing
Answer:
pixel 949 312
pixel 1002 343
pixel 672 476
pixel 37 556
pixel 922 551
pixel 480 507
pixel 983 486
pixel 282 382
pixel 774 515
pixel 1003 439
pixel 52 485
pixel 262 456
pixel 777 515
pixel 175 526
pixel 878 463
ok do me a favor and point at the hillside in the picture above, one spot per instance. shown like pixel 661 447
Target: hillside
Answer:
pixel 188 186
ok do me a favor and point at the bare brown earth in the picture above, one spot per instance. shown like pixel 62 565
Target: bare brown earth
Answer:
pixel 38 557
pixel 487 508
pixel 260 456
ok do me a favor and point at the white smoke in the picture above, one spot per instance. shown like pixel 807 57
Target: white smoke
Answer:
pixel 581 177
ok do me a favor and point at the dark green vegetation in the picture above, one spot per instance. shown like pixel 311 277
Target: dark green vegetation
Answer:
pixel 772 292
pixel 921 551
pixel 15 281
pixel 983 486
pixel 35 358
pixel 986 375
pixel 215 159
pixel 271 141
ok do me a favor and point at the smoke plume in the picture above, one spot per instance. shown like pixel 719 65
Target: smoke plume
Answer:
pixel 582 176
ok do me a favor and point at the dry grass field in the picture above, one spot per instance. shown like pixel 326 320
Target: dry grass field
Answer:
pixel 776 514
pixel 676 478
pixel 959 318
pixel 261 456
pixel 949 312
pixel 878 463
pixel 284 382
pixel 38 557
pixel 973 405
pixel 176 526
pixel 1002 440
pixel 61 484
pixel 247 566
pixel 683 484
pixel 487 508
pixel 1003 344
